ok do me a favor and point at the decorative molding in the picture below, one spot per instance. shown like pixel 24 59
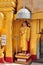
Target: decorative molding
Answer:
pixel 6 9
pixel 7 4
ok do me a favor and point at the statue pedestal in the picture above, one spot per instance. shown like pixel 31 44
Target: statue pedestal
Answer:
pixel 23 58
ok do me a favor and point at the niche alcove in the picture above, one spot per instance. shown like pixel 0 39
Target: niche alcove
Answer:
pixel 22 15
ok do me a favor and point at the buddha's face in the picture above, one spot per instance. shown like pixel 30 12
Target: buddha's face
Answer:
pixel 24 24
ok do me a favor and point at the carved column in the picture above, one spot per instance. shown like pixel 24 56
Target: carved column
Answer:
pixel 7 8
pixel 9 19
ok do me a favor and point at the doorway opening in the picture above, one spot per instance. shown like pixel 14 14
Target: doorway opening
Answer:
pixel 41 46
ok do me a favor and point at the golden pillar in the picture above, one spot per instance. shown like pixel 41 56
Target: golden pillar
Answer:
pixel 6 9
pixel 33 41
pixel 9 18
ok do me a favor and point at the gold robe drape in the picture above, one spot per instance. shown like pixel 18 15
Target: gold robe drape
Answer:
pixel 23 38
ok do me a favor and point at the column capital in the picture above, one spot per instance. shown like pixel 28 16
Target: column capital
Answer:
pixel 7 4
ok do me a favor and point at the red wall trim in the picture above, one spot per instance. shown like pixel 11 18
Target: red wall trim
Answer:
pixel 28 46
pixel 34 57
pixel 2 60
pixel 9 59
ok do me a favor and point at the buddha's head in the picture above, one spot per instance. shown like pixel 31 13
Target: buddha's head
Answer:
pixel 24 23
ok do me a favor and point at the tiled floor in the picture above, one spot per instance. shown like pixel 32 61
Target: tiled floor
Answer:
pixel 10 64
pixel 36 63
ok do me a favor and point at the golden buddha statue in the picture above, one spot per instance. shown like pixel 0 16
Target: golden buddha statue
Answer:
pixel 24 36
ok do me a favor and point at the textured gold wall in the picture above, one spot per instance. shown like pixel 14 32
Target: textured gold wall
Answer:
pixel 37 5
pixel 7 0
pixel 27 2
pixel 33 5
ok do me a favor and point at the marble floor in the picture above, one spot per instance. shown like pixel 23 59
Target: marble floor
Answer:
pixel 33 63
pixel 10 64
